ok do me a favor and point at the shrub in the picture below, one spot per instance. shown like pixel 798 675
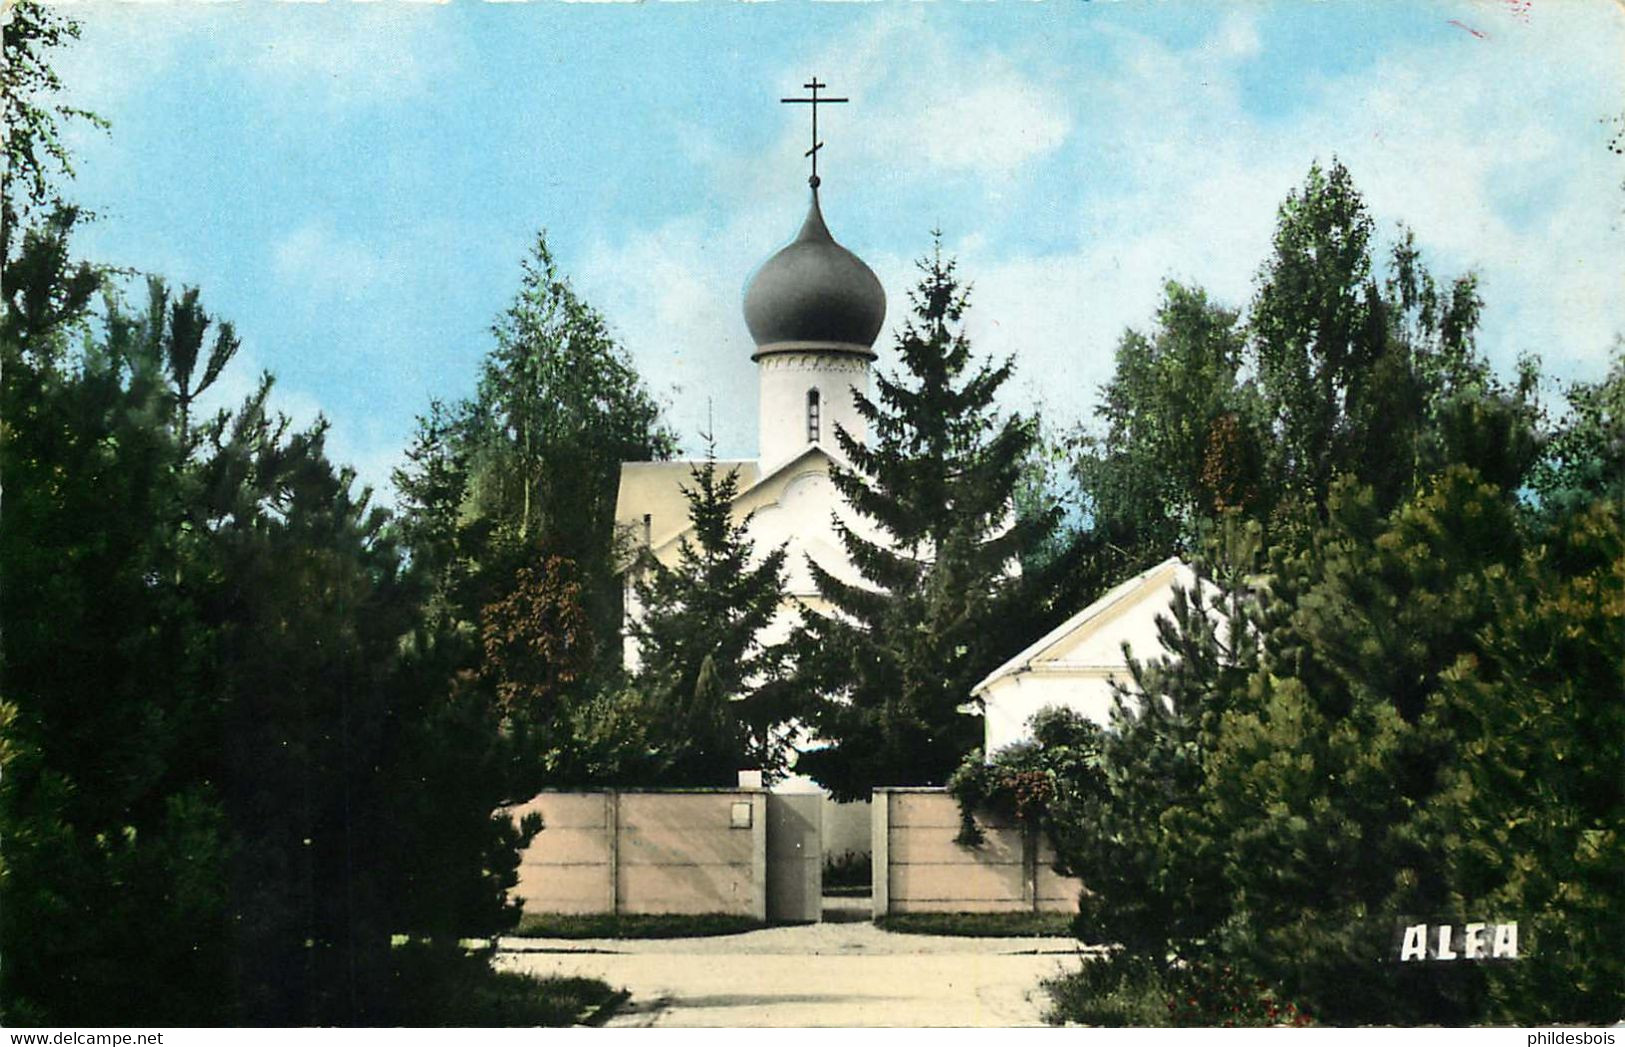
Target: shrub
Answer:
pixel 852 869
pixel 1027 781
pixel 1219 995
pixel 1116 991
pixel 1124 989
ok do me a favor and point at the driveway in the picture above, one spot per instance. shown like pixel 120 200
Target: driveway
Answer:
pixel 827 974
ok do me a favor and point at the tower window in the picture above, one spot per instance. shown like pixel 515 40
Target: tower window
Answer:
pixel 813 410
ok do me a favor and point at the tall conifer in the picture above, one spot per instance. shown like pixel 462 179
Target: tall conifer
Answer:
pixel 700 662
pixel 895 659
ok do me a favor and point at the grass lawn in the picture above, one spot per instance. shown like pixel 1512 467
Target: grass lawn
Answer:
pixel 980 924
pixel 518 1000
pixel 462 990
pixel 1108 993
pixel 607 925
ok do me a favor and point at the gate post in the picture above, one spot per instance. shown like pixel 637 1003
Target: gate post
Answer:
pixel 758 854
pixel 1029 866
pixel 612 825
pixel 880 853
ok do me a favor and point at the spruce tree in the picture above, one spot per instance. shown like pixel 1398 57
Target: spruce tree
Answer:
pixel 700 660
pixel 896 657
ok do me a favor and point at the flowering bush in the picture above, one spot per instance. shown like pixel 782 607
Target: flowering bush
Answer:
pixel 1209 996
pixel 1022 793
pixel 1123 989
pixel 1024 781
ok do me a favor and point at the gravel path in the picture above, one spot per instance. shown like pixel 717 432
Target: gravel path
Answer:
pixel 826 974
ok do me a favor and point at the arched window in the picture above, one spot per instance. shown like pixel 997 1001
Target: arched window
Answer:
pixel 812 416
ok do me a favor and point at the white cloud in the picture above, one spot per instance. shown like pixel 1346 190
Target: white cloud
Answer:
pixel 321 264
pixel 992 118
pixel 1473 146
pixel 1478 153
pixel 1237 37
pixel 994 128
pixel 1492 151
pixel 345 55
pixel 673 297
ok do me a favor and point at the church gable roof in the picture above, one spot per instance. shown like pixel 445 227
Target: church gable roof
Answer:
pixel 656 488
pixel 760 492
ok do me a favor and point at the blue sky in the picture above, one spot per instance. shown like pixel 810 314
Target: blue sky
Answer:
pixel 355 184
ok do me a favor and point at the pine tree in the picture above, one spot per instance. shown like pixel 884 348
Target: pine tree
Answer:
pixel 700 661
pixel 1532 809
pixel 898 655
pixel 115 853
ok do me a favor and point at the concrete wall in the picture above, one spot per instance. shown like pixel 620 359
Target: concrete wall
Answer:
pixel 919 867
pixel 632 852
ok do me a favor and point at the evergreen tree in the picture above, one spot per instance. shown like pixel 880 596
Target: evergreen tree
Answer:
pixel 224 722
pixel 1411 725
pixel 507 507
pixel 431 496
pixel 1165 726
pixel 896 655
pixel 232 769
pixel 701 664
pixel 115 845
pixel 1531 814
pixel 1318 754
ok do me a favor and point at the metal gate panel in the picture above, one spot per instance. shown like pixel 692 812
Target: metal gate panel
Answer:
pixel 795 857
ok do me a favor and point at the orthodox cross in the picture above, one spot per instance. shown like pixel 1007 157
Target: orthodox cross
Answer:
pixel 814 86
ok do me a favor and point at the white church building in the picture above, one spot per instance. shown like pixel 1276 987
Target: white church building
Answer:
pixel 814 310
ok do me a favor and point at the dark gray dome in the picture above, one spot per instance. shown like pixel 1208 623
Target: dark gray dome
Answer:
pixel 814 293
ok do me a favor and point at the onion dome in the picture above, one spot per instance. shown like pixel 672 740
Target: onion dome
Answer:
pixel 814 294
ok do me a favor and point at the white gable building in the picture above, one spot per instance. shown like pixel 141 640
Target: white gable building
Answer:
pixel 1074 665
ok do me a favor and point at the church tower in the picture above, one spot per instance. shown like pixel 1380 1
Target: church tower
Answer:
pixel 814 310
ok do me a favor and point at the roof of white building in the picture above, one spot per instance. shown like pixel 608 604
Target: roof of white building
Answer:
pixel 656 489
pixel 1068 646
